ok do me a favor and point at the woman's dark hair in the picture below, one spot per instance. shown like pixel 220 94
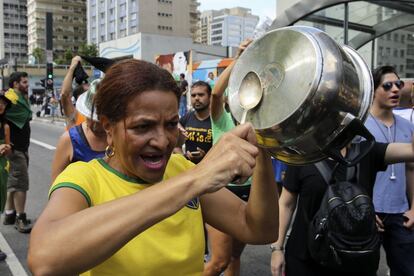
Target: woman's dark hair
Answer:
pixel 126 79
pixel 379 72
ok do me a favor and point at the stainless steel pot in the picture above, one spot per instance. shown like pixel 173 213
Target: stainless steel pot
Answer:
pixel 316 94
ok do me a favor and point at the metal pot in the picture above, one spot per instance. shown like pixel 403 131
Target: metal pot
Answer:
pixel 316 94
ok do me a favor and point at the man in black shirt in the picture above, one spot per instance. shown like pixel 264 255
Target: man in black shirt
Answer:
pixel 18 118
pixel 197 123
pixel 305 187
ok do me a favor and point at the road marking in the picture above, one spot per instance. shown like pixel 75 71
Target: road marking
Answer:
pixel 15 266
pixel 47 146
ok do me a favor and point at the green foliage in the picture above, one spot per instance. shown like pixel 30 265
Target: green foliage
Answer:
pixel 84 50
pixel 39 55
pixel 90 50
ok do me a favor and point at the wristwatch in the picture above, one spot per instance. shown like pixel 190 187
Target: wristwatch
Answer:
pixel 274 248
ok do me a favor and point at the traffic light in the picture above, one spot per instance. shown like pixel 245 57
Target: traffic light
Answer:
pixel 49 76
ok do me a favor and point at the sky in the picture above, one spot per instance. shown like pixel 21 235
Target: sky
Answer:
pixel 261 8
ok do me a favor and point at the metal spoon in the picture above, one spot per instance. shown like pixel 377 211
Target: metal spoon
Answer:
pixel 250 93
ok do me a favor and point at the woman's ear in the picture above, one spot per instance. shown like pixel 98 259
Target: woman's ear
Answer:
pixel 108 127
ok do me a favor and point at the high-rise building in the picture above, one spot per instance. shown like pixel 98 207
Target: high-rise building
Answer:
pixel 13 29
pixel 394 48
pixel 69 25
pixel 226 27
pixel 114 19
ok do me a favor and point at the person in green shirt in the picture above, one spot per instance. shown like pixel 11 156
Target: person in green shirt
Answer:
pixel 225 250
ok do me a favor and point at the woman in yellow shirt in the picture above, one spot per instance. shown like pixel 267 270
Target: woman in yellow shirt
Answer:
pixel 140 210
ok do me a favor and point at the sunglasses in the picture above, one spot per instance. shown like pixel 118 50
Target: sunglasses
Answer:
pixel 388 85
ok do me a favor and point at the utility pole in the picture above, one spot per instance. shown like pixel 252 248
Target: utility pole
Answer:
pixel 49 53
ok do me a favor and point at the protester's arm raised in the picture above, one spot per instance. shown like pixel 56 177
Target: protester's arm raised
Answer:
pixel 66 92
pixel 68 231
pixel 217 99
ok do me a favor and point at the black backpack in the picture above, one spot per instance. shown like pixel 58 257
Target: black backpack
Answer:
pixel 343 235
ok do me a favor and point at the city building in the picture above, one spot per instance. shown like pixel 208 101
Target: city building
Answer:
pixel 381 31
pixel 69 25
pixel 226 27
pixel 147 46
pixel 13 30
pixel 114 19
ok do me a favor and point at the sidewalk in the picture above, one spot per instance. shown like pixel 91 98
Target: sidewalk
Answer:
pixel 57 120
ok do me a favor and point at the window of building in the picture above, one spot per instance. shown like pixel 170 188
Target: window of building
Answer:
pixel 402 38
pixel 395 53
pixel 388 36
pixel 133 5
pixel 410 64
pixel 401 68
pixel 387 51
pixel 396 37
pixel 215 26
pixel 401 53
pixel 410 49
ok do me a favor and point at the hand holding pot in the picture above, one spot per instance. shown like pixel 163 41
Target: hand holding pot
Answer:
pixel 233 156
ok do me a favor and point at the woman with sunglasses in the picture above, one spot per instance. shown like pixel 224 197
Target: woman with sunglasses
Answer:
pixel 393 194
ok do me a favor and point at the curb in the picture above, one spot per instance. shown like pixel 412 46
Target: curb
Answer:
pixel 58 121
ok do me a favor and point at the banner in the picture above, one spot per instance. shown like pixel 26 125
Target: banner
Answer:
pixel 176 63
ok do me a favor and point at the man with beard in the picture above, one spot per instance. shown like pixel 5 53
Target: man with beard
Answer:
pixel 197 123
pixel 18 118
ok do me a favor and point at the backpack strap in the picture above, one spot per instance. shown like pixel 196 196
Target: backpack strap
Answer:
pixel 325 171
pixel 351 173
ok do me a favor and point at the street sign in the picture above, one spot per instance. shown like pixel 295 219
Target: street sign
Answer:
pixel 49 56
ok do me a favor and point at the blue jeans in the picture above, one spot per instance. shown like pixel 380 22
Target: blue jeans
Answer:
pixel 183 106
pixel 398 243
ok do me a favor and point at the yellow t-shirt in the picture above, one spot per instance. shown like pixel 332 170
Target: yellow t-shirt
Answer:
pixel 174 246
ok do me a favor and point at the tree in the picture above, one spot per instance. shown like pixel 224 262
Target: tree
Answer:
pixel 90 50
pixel 67 56
pixel 39 55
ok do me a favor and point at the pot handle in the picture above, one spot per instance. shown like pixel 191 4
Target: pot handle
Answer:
pixel 354 128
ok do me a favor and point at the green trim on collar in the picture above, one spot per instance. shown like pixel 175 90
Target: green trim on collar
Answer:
pixel 121 175
pixel 73 186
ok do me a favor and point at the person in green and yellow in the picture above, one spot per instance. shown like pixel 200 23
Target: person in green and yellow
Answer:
pixel 18 118
pixel 5 149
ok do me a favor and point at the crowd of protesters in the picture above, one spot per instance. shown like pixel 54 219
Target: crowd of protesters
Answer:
pixel 152 188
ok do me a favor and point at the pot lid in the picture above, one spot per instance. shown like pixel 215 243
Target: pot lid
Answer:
pixel 288 62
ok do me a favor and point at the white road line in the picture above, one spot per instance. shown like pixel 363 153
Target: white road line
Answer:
pixel 15 266
pixel 37 142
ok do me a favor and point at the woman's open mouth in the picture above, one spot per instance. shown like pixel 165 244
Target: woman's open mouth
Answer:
pixel 153 161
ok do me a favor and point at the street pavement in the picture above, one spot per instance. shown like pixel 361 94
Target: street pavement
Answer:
pixel 45 134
